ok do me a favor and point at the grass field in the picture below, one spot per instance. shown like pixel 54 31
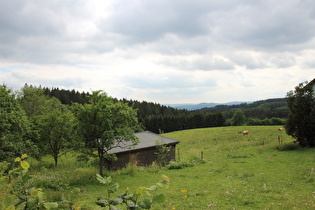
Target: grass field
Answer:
pixel 217 168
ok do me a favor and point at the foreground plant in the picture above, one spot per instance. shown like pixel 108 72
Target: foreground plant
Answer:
pixel 132 201
pixel 32 198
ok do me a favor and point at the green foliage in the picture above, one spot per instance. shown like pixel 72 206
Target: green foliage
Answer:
pixel 54 123
pixel 33 101
pixel 162 152
pixel 105 125
pixel 238 118
pixel 179 165
pixel 15 129
pixel 31 198
pixel 57 129
pixel 301 120
pixel 266 121
pixel 132 201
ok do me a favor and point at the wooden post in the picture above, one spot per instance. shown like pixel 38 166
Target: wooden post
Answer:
pixel 202 155
pixel 279 139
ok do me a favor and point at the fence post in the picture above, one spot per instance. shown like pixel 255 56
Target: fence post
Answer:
pixel 178 156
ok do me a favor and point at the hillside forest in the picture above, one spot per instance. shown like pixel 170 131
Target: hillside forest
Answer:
pixel 162 119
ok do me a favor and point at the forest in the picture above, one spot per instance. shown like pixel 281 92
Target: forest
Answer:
pixel 162 119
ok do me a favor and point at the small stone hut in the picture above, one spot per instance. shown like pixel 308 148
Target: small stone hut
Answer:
pixel 144 153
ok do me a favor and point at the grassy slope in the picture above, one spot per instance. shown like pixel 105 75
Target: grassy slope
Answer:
pixel 245 171
pixel 241 172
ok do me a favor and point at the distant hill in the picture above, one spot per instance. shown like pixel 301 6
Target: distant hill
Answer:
pixel 191 107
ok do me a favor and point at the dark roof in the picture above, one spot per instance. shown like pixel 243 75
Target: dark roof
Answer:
pixel 146 139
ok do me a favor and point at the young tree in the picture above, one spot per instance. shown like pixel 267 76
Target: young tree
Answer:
pixel 53 121
pixel 301 120
pixel 238 118
pixel 57 129
pixel 105 125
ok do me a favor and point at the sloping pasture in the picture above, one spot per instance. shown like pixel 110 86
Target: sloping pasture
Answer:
pixel 216 168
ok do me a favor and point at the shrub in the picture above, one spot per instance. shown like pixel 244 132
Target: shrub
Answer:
pixel 179 165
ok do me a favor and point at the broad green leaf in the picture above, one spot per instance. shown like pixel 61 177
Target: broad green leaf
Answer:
pixel 50 205
pixel 104 180
pixel 152 188
pixel 122 195
pixel 34 193
pixel 13 170
pixel 116 201
pixel 128 197
pixel 145 203
pixel 41 196
pixel 158 199
pixel 102 203
pixel 113 188
pixel 166 178
pixel 140 190
pixel 114 208
pixel 132 205
pixel 24 164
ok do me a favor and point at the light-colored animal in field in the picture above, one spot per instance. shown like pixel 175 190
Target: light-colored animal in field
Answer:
pixel 245 133
pixel 280 129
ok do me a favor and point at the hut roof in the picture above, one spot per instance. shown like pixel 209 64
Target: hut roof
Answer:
pixel 146 139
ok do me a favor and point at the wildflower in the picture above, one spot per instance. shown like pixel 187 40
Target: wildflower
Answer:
pixel 24 156
pixel 185 196
pixel 183 191
pixel 17 159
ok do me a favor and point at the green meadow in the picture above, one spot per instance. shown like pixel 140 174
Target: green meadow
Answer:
pixel 216 168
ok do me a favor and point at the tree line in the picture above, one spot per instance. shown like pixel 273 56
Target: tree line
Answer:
pixel 160 118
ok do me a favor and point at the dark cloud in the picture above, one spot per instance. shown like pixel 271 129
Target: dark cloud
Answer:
pixel 147 21
pixel 38 31
pixel 267 24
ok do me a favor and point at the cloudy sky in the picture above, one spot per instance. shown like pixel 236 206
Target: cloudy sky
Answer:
pixel 164 51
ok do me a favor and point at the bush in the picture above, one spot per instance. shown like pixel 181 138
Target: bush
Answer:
pixel 179 165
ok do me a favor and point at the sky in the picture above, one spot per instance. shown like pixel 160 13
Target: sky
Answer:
pixel 162 51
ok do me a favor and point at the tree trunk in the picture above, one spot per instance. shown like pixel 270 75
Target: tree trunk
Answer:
pixel 56 160
pixel 101 160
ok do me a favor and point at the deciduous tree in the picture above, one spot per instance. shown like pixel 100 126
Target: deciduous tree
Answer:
pixel 105 125
pixel 238 118
pixel 301 120
pixel 57 129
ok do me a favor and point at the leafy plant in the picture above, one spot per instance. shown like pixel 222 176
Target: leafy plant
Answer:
pixel 131 200
pixel 162 152
pixel 32 198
